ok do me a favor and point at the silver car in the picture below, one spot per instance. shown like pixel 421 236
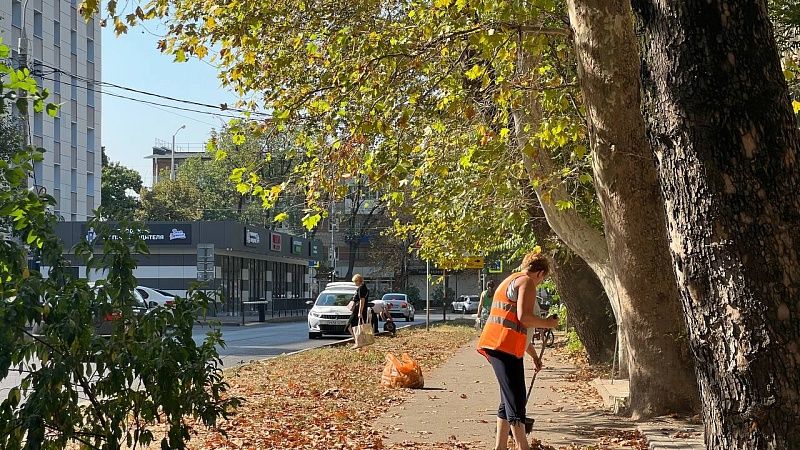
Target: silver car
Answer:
pixel 398 305
pixel 466 304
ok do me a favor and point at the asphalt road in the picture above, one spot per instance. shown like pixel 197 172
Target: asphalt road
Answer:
pixel 258 341
pixel 261 341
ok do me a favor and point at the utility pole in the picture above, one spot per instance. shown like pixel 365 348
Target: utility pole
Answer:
pixel 427 295
pixel 444 296
pixel 172 155
pixel 333 245
pixel 22 64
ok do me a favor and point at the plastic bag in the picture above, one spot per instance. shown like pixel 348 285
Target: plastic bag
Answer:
pixel 405 374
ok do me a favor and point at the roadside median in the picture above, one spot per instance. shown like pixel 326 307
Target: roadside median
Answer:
pixel 324 397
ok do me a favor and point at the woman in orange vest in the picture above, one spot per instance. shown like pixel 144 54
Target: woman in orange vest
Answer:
pixel 504 341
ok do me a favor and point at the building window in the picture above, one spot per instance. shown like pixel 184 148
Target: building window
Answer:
pixel 90 94
pixel 74 134
pixel 16 14
pixel 57 33
pixel 90 140
pixel 38 173
pixel 57 82
pixel 74 87
pixel 73 42
pixel 37 124
pixel 90 183
pixel 89 50
pixel 56 176
pixel 73 180
pixel 57 129
pixel 37 24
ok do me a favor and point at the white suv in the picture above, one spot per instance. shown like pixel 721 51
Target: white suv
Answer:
pixel 330 314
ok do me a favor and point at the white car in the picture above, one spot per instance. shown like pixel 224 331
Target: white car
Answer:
pixel 466 304
pixel 330 314
pixel 155 297
pixel 399 306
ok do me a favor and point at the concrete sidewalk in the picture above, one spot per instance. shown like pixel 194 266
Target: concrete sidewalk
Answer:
pixel 460 399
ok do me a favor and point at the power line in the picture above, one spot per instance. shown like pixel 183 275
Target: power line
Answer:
pixel 148 102
pixel 153 94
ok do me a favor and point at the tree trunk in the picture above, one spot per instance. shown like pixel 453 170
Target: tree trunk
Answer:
pixel 587 307
pixel 351 258
pixel 573 230
pixel 726 141
pixel 661 373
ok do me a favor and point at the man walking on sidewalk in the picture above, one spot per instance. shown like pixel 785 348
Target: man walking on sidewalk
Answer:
pixel 504 342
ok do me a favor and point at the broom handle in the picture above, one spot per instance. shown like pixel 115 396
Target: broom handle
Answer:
pixel 530 388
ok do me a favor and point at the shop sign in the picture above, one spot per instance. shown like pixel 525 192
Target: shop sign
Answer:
pixel 156 234
pixel 313 249
pixel 251 237
pixel 297 246
pixel 275 242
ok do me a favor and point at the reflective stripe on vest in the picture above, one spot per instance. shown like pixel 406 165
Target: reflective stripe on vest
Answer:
pixel 504 306
pixel 505 323
pixel 503 330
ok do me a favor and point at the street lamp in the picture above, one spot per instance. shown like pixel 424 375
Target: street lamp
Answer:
pixel 172 155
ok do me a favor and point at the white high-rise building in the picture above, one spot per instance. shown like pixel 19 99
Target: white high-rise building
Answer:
pixel 64 52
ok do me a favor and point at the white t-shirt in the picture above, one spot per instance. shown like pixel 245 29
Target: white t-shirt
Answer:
pixel 512 293
pixel 378 306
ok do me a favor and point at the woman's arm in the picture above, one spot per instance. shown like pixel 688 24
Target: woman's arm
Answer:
pixel 480 303
pixel 525 306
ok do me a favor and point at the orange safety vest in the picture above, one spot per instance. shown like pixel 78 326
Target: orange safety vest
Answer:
pixel 503 330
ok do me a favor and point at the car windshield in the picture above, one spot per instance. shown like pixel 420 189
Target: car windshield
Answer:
pixel 164 293
pixel 394 297
pixel 333 299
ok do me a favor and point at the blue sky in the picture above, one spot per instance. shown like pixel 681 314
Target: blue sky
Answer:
pixel 131 128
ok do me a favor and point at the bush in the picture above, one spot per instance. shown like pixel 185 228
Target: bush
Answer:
pixel 438 298
pixel 574 344
pixel 413 296
pixel 80 388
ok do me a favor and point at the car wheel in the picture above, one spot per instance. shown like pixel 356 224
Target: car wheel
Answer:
pixel 314 335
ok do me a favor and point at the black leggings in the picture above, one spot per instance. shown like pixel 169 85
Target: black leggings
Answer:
pixel 510 374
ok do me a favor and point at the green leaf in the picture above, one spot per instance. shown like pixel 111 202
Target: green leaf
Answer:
pixel 52 109
pixel 475 72
pixel 310 221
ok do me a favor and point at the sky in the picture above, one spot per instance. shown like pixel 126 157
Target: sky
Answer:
pixel 130 129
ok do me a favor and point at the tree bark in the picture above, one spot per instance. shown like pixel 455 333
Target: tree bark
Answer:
pixel 573 230
pixel 726 141
pixel 661 373
pixel 588 308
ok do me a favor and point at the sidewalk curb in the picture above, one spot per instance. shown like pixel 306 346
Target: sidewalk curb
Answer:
pixel 231 323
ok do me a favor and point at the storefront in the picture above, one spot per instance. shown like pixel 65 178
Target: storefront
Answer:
pixel 244 264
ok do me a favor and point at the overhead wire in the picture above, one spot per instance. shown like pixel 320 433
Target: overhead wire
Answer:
pixel 148 102
pixel 152 94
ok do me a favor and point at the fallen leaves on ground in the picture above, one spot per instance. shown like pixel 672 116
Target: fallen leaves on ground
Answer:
pixel 325 398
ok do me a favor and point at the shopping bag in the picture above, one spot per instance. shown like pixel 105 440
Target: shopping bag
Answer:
pixel 405 374
pixel 363 334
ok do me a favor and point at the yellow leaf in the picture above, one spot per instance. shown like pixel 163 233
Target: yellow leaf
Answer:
pixel 795 106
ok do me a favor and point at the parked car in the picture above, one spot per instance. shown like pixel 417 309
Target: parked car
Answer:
pixel 155 297
pixel 398 305
pixel 466 304
pixel 104 326
pixel 330 314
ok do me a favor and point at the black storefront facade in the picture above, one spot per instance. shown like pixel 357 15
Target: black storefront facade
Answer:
pixel 243 264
